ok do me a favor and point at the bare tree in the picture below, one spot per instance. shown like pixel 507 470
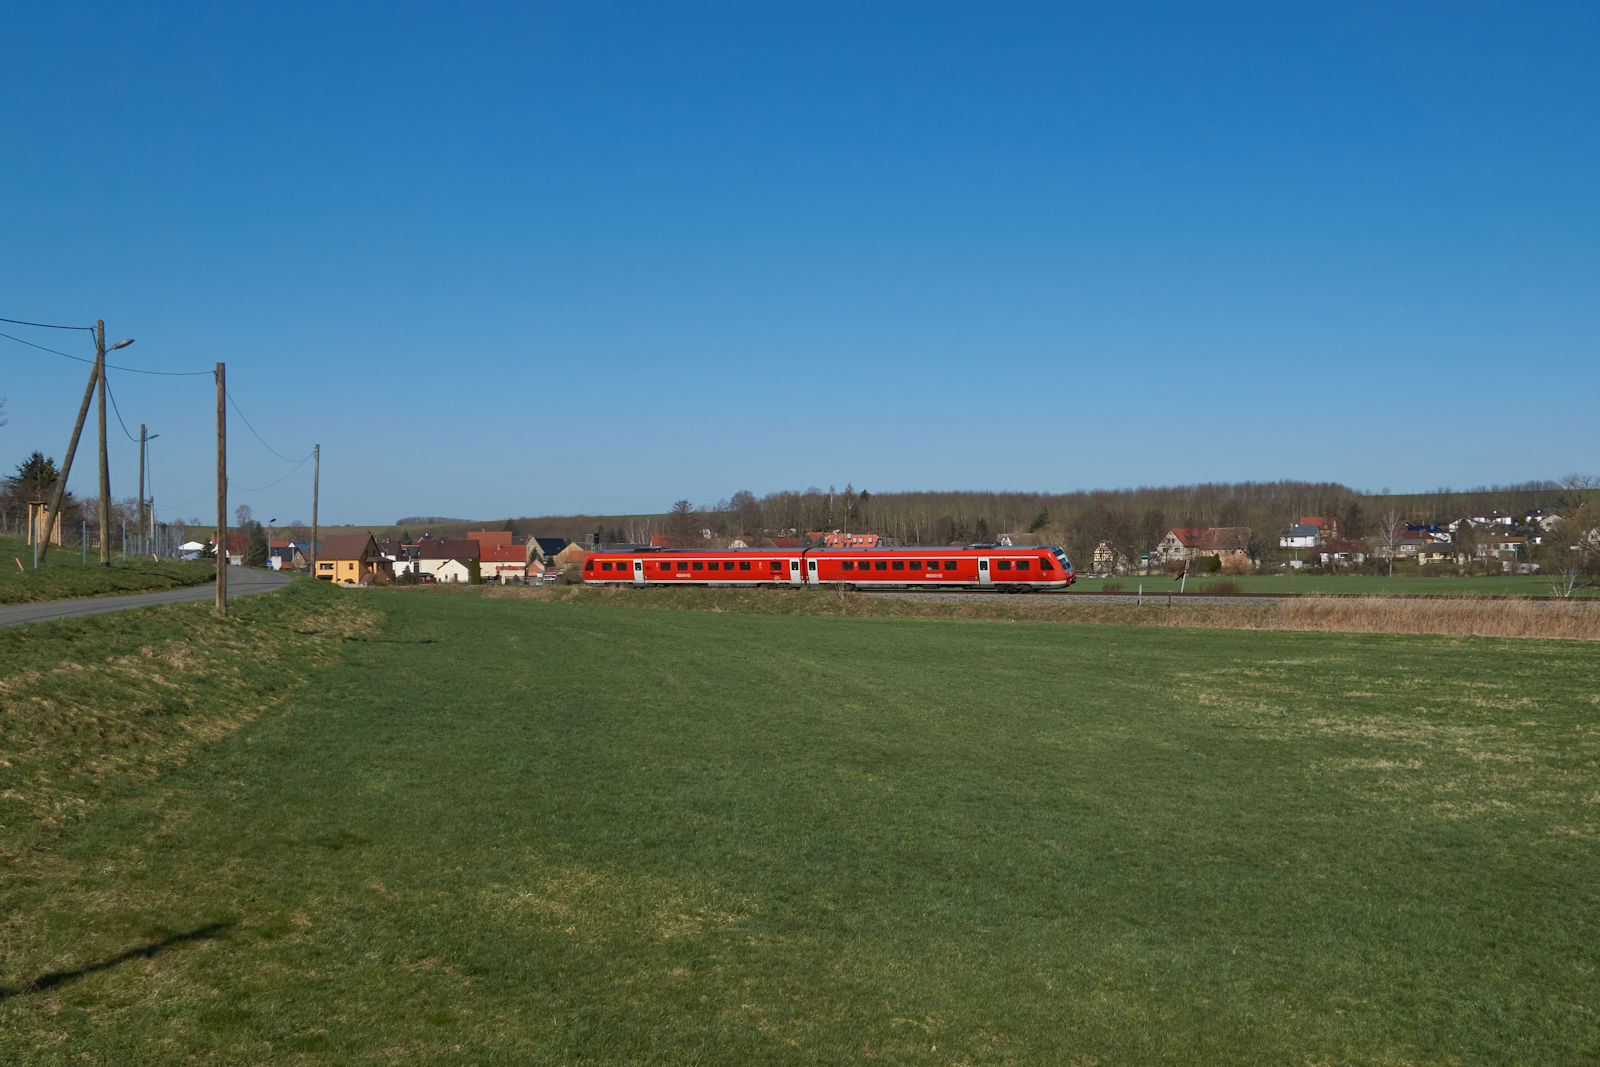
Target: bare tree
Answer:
pixel 1574 554
pixel 682 525
pixel 1391 531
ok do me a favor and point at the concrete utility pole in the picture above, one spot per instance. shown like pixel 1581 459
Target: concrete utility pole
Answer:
pixel 222 492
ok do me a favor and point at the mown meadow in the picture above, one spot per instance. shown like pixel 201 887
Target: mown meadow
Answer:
pixel 351 826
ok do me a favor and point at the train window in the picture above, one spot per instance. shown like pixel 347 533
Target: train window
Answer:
pixel 682 566
pixel 666 566
pixel 776 565
pixel 849 565
pixel 699 565
pixel 899 564
pixel 1005 564
pixel 744 564
pixel 1022 564
pixel 949 564
pixel 916 564
pixel 880 565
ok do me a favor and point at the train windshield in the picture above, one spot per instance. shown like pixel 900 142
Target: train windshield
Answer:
pixel 1066 564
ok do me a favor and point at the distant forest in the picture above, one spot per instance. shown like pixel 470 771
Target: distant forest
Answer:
pixel 1133 520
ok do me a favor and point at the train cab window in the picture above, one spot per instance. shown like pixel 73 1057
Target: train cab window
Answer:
pixel 744 564
pixel 588 565
pixel 1004 565
pixel 899 564
pixel 880 565
pixel 1022 564
pixel 849 565
pixel 1045 565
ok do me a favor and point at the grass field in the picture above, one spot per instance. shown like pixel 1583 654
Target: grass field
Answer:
pixel 63 575
pixel 346 826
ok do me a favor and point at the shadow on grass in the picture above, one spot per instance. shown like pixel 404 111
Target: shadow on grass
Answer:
pixel 48 981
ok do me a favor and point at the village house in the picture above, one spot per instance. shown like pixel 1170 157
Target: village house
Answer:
pixel 500 558
pixel 449 560
pixel 352 559
pixel 1303 535
pixel 237 543
pixel 1108 560
pixel 573 555
pixel 1230 544
pixel 1341 553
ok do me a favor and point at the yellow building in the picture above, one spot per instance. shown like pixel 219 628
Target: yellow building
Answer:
pixel 351 559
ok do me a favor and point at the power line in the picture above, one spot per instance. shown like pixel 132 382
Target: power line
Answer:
pixel 280 481
pixel 49 325
pixel 109 366
pixel 118 410
pixel 269 448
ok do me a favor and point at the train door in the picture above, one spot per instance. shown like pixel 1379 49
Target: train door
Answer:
pixel 638 572
pixel 811 571
pixel 983 571
pixel 795 577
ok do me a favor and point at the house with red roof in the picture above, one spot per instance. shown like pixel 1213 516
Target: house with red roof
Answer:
pixel 237 543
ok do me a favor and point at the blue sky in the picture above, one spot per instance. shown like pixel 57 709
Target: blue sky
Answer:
pixel 527 259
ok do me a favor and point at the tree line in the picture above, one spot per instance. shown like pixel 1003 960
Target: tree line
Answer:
pixel 1132 521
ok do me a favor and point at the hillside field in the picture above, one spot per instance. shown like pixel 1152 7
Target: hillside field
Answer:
pixel 348 826
pixel 64 576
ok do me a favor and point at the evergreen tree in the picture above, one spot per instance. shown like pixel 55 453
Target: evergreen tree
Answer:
pixel 256 549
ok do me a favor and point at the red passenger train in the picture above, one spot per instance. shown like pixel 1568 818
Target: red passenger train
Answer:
pixel 1002 568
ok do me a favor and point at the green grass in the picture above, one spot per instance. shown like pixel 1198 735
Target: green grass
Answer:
pixel 489 829
pixel 63 575
pixel 1511 585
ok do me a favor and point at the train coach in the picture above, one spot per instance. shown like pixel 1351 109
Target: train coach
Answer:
pixel 1002 568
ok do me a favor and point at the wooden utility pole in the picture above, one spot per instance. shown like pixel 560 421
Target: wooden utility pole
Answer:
pixel 222 491
pixel 105 463
pixel 142 440
pixel 52 516
pixel 316 488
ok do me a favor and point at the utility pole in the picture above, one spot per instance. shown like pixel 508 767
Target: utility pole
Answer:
pixel 222 492
pixel 140 527
pixel 96 378
pixel 105 463
pixel 316 486
pixel 53 516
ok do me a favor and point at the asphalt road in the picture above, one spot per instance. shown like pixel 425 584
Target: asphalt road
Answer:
pixel 242 581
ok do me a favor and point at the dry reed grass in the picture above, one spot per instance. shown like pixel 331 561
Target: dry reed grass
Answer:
pixel 1486 617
